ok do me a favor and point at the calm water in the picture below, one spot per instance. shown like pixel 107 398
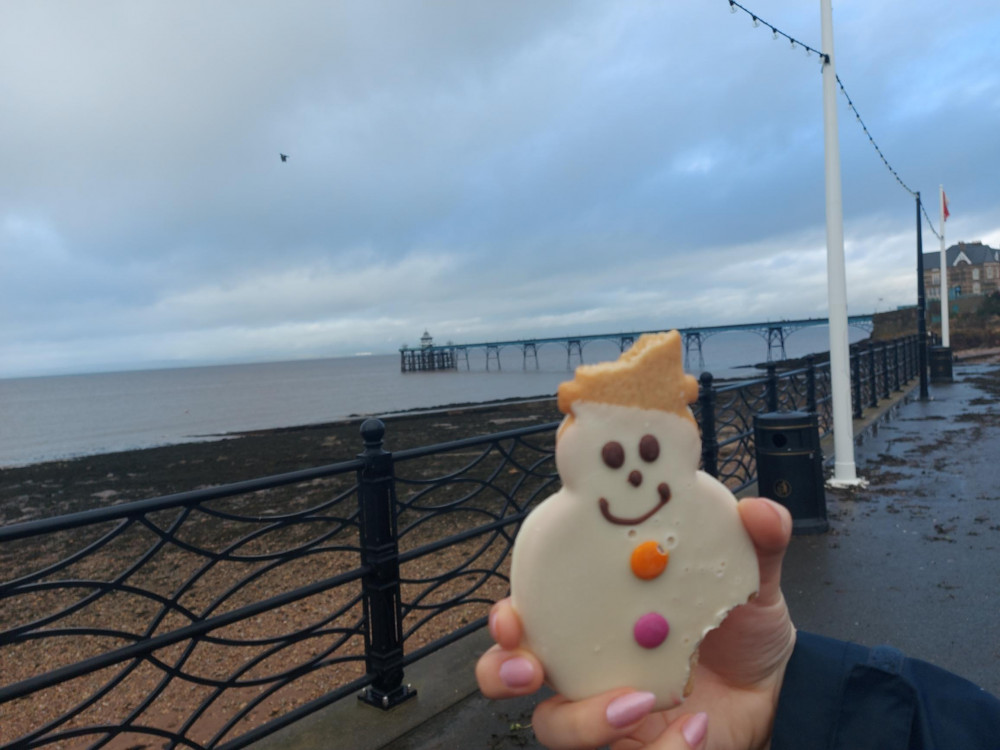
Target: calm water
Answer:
pixel 73 415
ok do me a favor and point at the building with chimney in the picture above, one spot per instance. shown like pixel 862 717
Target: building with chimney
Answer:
pixel 973 270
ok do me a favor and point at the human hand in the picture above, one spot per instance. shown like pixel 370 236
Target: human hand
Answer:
pixel 736 682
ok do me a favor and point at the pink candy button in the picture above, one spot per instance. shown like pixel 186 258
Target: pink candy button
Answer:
pixel 651 630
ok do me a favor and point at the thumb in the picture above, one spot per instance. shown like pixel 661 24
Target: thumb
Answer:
pixel 770 527
pixel 685 733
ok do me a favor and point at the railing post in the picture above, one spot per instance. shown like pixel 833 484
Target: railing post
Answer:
pixel 772 387
pixel 811 384
pixel 872 376
pixel 886 390
pixel 890 370
pixel 856 383
pixel 380 585
pixel 877 374
pixel 709 440
pixel 895 365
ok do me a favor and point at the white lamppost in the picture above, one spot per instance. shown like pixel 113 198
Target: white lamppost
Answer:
pixel 844 470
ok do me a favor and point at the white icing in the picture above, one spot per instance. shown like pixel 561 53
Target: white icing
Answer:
pixel 571 580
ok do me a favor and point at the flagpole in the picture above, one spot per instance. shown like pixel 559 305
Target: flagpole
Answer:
pixel 921 310
pixel 844 470
pixel 945 301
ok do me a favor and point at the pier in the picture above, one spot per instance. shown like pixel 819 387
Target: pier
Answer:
pixel 428 357
pixel 448 357
pixel 426 360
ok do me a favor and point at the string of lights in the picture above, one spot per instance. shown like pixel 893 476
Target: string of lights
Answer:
pixel 825 59
pixel 776 32
pixel 930 223
pixel 878 151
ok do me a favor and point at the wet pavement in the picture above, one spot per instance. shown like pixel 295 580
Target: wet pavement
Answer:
pixel 911 560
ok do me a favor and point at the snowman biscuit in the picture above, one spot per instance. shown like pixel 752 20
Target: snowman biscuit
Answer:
pixel 619 575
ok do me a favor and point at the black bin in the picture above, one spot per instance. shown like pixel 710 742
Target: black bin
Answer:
pixel 940 362
pixel 790 467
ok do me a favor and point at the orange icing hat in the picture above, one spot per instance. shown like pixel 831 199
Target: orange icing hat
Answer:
pixel 650 375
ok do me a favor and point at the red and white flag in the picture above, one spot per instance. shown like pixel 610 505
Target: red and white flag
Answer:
pixel 945 213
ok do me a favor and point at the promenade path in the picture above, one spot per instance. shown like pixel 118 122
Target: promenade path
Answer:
pixel 912 560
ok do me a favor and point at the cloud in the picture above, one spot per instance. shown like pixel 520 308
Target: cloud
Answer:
pixel 480 169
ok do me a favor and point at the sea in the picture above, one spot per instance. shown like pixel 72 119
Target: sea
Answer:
pixel 68 416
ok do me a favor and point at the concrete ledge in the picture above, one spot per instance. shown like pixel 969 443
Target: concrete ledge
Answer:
pixel 441 680
pixel 870 419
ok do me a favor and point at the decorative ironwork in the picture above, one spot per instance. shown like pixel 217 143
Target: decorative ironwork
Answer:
pixel 231 611
pixel 729 420
pixel 465 520
pixel 181 595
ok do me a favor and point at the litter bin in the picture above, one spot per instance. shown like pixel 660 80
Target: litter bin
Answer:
pixel 790 467
pixel 940 361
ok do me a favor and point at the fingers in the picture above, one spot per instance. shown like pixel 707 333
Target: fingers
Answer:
pixel 505 625
pixel 752 646
pixel 561 724
pixel 686 733
pixel 507 671
pixel 770 528
pixel 618 719
pixel 508 674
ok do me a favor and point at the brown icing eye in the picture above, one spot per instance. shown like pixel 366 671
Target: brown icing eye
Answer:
pixel 649 448
pixel 613 454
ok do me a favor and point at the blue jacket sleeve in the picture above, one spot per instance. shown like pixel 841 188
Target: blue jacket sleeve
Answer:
pixel 842 696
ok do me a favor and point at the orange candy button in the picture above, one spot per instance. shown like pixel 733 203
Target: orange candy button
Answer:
pixel 649 560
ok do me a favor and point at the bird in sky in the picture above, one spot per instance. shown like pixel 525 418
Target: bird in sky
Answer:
pixel 284 157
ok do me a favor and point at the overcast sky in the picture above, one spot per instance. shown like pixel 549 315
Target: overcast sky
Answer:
pixel 483 170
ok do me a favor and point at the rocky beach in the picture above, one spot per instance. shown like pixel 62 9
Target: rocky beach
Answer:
pixel 54 488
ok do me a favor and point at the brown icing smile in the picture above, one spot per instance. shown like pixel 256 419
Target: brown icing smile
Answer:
pixel 664 491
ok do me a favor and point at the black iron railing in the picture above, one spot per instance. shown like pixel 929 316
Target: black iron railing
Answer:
pixel 212 618
pixel 725 412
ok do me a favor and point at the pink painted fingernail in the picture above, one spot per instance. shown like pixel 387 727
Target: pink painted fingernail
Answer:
pixel 517 672
pixel 695 729
pixel 629 709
